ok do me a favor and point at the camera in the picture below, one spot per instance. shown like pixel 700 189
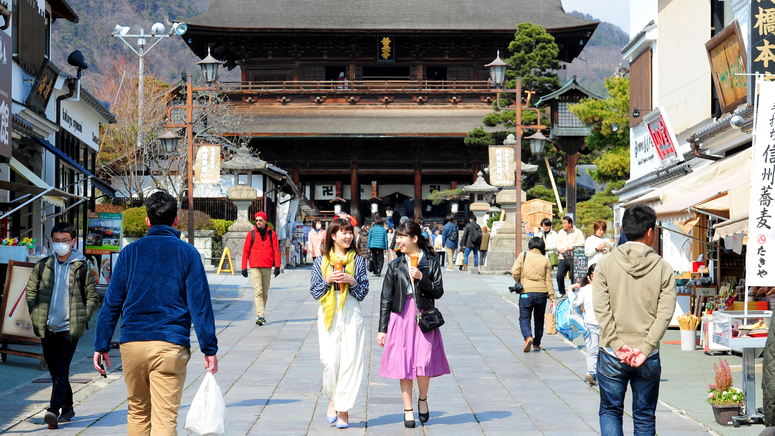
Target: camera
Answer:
pixel 517 288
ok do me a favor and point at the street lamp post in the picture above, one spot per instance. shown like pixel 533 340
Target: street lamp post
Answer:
pixel 209 68
pixel 498 77
pixel 157 34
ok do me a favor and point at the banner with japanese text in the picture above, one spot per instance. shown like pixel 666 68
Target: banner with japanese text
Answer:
pixel 760 258
pixel 502 166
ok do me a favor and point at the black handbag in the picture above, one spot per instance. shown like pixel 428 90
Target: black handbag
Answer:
pixel 517 288
pixel 428 320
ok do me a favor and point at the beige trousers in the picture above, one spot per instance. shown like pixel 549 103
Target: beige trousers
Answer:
pixel 155 374
pixel 450 258
pixel 261 278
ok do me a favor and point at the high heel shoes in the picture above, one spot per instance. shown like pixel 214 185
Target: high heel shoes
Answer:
pixel 409 424
pixel 340 423
pixel 423 416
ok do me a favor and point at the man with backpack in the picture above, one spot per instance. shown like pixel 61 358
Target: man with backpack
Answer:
pixel 262 250
pixel 62 297
pixel 472 239
pixel 449 235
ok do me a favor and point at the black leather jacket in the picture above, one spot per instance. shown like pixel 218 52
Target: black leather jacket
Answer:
pixel 397 282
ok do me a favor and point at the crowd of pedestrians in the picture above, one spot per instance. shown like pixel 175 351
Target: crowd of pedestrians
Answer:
pixel 627 298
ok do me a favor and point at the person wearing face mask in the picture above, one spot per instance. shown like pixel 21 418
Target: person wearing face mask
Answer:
pixel 315 239
pixel 62 297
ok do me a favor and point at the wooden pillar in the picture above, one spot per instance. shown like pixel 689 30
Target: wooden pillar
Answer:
pixel 417 190
pixel 476 166
pixel 355 193
pixel 296 173
pixel 570 184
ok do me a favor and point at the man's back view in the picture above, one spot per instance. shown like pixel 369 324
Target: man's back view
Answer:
pixel 634 298
pixel 159 287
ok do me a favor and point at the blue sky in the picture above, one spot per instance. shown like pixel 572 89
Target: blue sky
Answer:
pixel 613 11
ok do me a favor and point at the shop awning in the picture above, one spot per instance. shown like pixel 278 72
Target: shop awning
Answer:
pixel 99 184
pixel 35 180
pixel 736 225
pixel 700 187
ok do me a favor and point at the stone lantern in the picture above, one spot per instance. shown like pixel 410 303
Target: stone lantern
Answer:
pixel 477 193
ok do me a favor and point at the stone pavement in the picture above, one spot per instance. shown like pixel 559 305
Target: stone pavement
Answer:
pixel 271 376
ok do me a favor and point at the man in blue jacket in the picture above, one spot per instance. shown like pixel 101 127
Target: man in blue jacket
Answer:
pixel 159 287
pixel 449 235
pixel 378 243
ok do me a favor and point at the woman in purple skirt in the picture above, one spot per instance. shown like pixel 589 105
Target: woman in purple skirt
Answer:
pixel 409 353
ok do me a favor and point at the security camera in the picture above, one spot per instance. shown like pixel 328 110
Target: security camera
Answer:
pixel 736 122
pixel 157 29
pixel 119 30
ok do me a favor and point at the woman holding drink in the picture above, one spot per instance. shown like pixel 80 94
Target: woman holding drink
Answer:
pixel 412 283
pixel 340 283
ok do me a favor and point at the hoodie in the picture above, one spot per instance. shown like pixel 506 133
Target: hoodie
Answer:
pixel 634 298
pixel 59 311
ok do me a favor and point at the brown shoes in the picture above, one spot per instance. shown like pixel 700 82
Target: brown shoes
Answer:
pixel 535 348
pixel 528 344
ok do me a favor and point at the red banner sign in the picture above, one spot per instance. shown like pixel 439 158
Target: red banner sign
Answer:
pixel 662 134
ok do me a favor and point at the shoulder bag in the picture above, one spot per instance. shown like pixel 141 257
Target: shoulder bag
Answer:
pixel 428 320
pixel 517 288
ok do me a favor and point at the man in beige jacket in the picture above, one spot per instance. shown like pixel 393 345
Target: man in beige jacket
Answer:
pixel 567 238
pixel 634 299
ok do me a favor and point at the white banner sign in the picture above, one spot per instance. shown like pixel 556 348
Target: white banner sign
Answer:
pixel 502 166
pixel 207 168
pixel 760 258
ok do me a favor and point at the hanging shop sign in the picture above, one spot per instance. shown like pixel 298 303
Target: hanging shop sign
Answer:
pixel 104 233
pixel 40 92
pixel 762 40
pixel 662 134
pixel 6 68
pixel 502 169
pixel 643 154
pixel 760 257
pixel 727 56
pixel 81 121
pixel 207 168
pixel 325 192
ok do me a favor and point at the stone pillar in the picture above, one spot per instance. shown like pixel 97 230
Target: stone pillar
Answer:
pixel 501 255
pixel 242 196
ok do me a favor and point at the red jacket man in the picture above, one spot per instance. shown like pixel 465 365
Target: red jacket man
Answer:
pixel 262 250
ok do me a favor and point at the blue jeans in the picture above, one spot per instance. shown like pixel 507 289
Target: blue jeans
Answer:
pixel 467 252
pixel 612 377
pixel 532 305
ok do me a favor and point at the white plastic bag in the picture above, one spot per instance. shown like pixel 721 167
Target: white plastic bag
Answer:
pixel 207 415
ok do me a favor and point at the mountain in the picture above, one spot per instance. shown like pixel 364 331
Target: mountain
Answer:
pixel 92 36
pixel 600 57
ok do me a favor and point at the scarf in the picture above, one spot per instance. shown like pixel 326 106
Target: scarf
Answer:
pixel 328 301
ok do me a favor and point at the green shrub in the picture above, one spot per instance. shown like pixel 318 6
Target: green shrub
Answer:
pixel 221 226
pixel 202 220
pixel 134 221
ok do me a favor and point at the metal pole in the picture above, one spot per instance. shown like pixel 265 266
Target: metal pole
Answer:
pixel 140 91
pixel 190 160
pixel 518 165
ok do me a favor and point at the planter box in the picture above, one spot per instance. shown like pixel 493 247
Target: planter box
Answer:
pixel 724 414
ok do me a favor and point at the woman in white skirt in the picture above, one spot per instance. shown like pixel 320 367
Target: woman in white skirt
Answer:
pixel 340 283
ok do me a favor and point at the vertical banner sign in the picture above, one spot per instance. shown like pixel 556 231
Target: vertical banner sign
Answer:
pixel 662 134
pixel 762 41
pixel 502 168
pixel 386 49
pixel 5 93
pixel 760 258
pixel 208 165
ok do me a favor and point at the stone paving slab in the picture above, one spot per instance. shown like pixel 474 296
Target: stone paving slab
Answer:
pixel 271 377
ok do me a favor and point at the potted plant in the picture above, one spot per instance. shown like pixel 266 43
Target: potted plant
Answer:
pixel 726 400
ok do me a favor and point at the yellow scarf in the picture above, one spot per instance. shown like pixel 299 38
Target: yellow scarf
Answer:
pixel 328 301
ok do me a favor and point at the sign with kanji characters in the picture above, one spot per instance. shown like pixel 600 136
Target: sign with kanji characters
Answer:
pixel 40 92
pixel 727 56
pixel 325 192
pixel 207 168
pixel 502 166
pixel 760 257
pixel 386 49
pixel 762 40
pixel 6 68
pixel 662 134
